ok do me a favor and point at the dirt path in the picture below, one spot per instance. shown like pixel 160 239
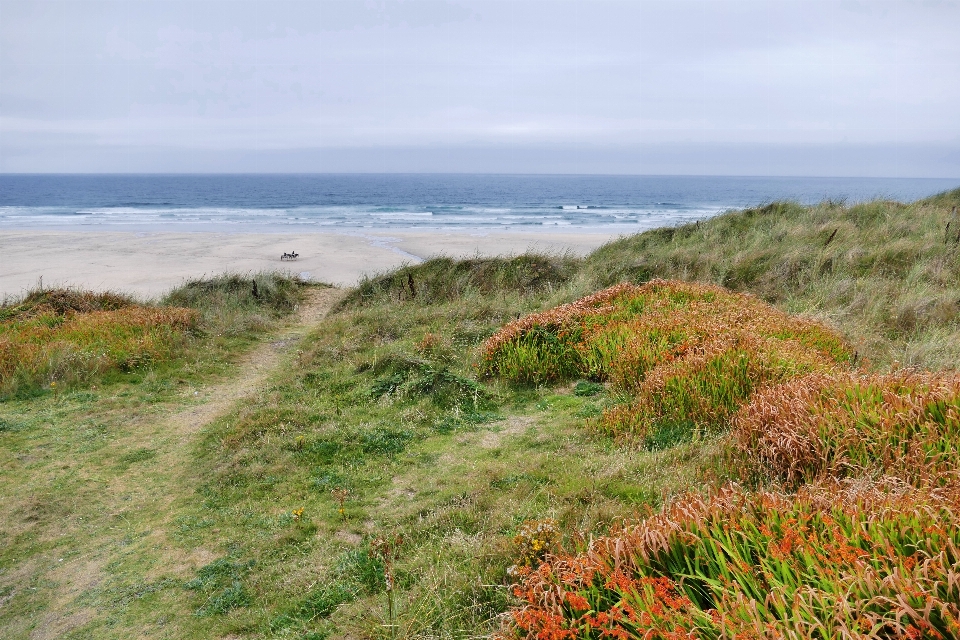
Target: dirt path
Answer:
pixel 142 499
pixel 255 367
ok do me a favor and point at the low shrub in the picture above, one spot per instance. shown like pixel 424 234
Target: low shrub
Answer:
pixel 836 560
pixel 690 354
pixel 905 423
pixel 69 336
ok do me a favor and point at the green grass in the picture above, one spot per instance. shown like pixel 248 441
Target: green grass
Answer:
pixel 889 279
pixel 113 528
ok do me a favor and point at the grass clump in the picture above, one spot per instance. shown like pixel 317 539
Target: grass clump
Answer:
pixel 60 302
pixel 221 584
pixel 831 561
pixel 64 337
pixel 406 377
pixel 237 304
pixel 689 354
pixel 444 279
pixel 905 424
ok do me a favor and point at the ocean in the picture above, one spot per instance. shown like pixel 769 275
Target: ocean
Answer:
pixel 310 202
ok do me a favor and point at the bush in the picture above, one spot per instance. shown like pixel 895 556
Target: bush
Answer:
pixel 60 302
pixel 690 354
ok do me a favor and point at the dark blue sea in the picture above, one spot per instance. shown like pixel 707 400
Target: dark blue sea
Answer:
pixel 416 202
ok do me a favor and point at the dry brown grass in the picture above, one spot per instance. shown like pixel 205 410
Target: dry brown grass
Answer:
pixel 905 423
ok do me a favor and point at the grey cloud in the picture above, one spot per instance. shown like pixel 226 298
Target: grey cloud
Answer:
pixel 94 84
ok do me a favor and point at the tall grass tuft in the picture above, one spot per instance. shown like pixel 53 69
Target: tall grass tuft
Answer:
pixel 60 301
pixel 65 336
pixel 689 354
pixel 234 304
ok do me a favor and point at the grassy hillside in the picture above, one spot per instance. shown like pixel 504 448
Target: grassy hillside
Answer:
pixel 448 427
pixel 886 274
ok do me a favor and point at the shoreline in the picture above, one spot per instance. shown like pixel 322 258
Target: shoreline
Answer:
pixel 147 264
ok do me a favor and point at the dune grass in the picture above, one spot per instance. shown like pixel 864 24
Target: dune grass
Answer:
pixel 886 274
pixel 239 304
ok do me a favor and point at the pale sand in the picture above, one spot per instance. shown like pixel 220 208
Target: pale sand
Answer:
pixel 150 264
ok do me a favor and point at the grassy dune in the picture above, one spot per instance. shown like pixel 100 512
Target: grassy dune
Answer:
pixel 884 273
pixel 434 457
pixel 69 338
pixel 688 354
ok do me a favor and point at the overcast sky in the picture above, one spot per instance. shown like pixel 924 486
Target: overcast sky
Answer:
pixel 699 87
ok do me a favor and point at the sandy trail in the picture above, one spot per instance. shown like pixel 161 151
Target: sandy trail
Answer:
pixel 254 368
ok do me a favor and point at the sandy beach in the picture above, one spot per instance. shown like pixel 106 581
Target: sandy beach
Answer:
pixel 148 264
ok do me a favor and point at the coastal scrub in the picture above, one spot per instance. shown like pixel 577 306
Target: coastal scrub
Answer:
pixel 686 355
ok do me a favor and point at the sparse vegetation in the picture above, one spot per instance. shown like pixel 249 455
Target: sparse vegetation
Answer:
pixel 792 476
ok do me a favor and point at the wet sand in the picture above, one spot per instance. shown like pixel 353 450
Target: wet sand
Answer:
pixel 148 264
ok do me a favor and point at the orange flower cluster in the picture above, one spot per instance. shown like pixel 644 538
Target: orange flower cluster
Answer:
pixel 835 560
